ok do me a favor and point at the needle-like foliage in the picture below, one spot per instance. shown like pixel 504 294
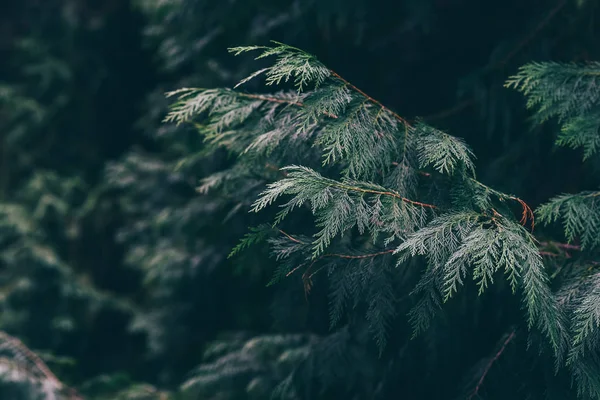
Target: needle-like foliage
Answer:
pixel 568 92
pixel 383 192
pixel 571 93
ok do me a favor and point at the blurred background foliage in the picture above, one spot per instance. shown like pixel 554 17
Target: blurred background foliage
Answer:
pixel 114 270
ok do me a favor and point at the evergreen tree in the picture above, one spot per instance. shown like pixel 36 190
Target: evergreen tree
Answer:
pixel 115 271
pixel 400 221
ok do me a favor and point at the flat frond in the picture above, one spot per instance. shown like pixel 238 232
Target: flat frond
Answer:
pixel 570 92
pixel 579 215
pixel 443 152
pixel 291 63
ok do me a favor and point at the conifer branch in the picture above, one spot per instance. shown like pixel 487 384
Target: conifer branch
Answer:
pixel 371 194
pixel 362 190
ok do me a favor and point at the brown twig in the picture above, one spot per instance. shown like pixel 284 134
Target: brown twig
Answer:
pixel 372 100
pixel 293 239
pixel 384 193
pixel 347 83
pixel 392 194
pixel 489 365
pixel 294 270
pixel 527 212
pixel 361 256
pixel 348 256
pixel 494 218
pixel 307 279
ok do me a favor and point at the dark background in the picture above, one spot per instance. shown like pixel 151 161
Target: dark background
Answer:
pixel 114 269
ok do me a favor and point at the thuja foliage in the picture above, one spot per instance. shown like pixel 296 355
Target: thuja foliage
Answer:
pixel 388 196
pixel 569 93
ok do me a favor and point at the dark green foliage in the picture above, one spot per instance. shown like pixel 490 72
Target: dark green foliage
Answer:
pixel 394 271
pixel 55 136
pixel 473 233
pixel 486 240
pixel 569 92
pixel 579 215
